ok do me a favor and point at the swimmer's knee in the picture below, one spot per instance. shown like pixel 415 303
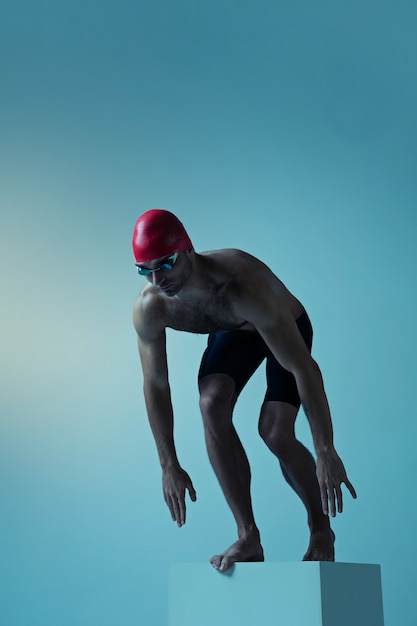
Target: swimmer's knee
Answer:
pixel 276 426
pixel 279 441
pixel 217 398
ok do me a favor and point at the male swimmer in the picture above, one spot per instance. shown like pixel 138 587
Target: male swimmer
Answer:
pixel 250 316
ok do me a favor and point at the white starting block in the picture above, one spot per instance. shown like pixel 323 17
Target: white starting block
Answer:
pixel 276 594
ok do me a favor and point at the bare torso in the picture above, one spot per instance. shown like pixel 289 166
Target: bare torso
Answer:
pixel 210 307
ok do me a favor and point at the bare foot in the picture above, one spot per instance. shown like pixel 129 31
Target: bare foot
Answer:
pixel 321 546
pixel 244 550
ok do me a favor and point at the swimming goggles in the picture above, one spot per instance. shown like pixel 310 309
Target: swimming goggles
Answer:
pixel 168 264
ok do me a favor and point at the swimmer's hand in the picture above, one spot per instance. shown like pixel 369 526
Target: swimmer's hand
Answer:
pixel 331 474
pixel 175 482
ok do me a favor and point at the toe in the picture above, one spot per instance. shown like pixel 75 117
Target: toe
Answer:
pixel 216 561
pixel 226 564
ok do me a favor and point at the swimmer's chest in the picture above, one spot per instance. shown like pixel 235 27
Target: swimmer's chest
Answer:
pixel 208 315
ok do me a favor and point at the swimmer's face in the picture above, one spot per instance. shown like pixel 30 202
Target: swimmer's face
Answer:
pixel 168 274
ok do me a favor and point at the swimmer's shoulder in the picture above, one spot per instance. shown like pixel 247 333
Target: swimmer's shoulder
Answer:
pixel 227 254
pixel 149 311
pixel 232 261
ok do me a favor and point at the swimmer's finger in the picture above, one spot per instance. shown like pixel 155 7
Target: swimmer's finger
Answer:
pixel 351 488
pixel 324 500
pixel 332 501
pixel 179 512
pixel 339 496
pixel 182 511
pixel 192 492
pixel 170 506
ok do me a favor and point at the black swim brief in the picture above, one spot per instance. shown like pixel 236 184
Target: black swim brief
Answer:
pixel 239 353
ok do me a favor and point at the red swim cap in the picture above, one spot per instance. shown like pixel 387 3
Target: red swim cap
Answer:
pixel 158 233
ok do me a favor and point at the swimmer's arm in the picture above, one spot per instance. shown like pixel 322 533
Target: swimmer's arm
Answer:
pixel 152 351
pixel 286 343
pixel 278 328
pixel 259 302
pixel 158 397
pixel 288 347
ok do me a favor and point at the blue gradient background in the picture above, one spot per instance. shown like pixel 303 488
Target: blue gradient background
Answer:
pixel 287 129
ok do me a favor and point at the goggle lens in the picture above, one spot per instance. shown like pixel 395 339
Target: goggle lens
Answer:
pixel 168 264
